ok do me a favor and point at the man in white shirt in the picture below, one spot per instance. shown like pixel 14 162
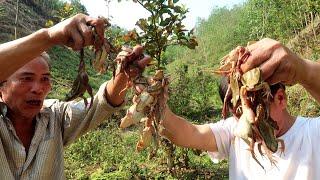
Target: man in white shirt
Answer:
pixel 300 159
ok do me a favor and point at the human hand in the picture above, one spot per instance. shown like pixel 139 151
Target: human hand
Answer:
pixel 76 32
pixel 277 62
pixel 132 61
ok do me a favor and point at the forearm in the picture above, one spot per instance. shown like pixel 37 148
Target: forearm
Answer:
pixel 115 92
pixel 185 134
pixel 310 78
pixel 15 54
pixel 78 119
pixel 176 129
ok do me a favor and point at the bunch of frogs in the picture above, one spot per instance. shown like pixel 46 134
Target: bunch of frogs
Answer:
pixel 81 83
pixel 147 108
pixel 250 97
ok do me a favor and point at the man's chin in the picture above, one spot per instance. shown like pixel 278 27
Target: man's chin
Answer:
pixel 31 111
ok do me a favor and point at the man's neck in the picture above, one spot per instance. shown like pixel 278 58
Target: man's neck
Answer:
pixel 20 120
pixel 24 127
pixel 285 122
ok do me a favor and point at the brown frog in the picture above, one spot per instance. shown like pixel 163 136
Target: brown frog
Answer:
pixel 245 129
pixel 81 84
pixel 267 126
pixel 252 80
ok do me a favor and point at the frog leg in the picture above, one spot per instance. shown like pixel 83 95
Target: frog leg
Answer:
pixel 257 136
pixel 136 99
pixel 273 162
pixel 221 72
pixel 153 149
pixel 89 89
pixel 251 142
pixel 85 101
pixel 282 147
pixel 260 148
pixel 243 56
pixel 225 103
pixel 267 90
pixel 253 154
pixel 128 85
pixel 238 110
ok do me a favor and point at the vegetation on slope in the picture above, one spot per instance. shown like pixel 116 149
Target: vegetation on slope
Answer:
pixel 108 153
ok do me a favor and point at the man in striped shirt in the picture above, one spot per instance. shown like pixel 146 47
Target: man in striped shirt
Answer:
pixel 34 131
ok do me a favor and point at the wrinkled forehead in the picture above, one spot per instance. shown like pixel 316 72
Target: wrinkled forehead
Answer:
pixel 37 66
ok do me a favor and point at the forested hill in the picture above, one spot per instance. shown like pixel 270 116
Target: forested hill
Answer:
pixel 29 19
pixel 27 16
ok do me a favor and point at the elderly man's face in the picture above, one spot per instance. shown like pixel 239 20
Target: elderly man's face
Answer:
pixel 25 90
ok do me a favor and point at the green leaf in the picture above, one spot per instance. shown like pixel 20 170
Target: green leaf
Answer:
pixel 165 22
pixel 165 10
pixel 177 9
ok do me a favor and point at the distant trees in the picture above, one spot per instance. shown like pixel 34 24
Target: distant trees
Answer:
pixel 278 19
pixel 58 9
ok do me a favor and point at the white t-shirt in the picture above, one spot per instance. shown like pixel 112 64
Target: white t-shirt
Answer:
pixel 301 158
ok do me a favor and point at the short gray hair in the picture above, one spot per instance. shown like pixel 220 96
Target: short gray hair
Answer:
pixel 44 55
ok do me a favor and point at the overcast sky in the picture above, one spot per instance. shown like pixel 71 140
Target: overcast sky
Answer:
pixel 126 13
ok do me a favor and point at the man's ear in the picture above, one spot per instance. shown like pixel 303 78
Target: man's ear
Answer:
pixel 280 98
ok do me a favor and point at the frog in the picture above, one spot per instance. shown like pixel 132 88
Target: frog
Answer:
pixel 229 62
pixel 81 84
pixel 230 66
pixel 244 128
pixel 252 80
pixel 266 128
pixel 145 139
pixel 99 63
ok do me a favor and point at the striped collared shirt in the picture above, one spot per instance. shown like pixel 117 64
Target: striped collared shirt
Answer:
pixel 57 125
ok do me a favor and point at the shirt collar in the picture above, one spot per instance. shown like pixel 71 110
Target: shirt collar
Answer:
pixel 3 109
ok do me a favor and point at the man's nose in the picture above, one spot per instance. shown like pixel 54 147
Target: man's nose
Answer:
pixel 37 88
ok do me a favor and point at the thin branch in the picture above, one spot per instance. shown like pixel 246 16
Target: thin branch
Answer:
pixel 16 20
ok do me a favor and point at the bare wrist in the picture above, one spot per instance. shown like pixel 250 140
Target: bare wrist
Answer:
pixel 307 72
pixel 43 36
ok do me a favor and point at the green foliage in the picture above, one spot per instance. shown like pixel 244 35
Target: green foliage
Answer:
pixel 45 7
pixel 108 153
pixel 70 9
pixel 278 19
pixel 2 11
pixel 116 36
pixel 163 28
pixel 194 90
pixel 301 103
pixel 193 93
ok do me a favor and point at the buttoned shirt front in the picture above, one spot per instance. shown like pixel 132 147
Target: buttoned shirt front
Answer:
pixel 57 125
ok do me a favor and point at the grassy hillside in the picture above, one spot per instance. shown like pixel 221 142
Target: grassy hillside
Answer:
pixel 29 20
pixel 109 153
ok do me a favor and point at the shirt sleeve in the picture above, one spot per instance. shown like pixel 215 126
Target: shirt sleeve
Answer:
pixel 76 119
pixel 223 133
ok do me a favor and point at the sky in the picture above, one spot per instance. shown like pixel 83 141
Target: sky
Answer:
pixel 126 13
